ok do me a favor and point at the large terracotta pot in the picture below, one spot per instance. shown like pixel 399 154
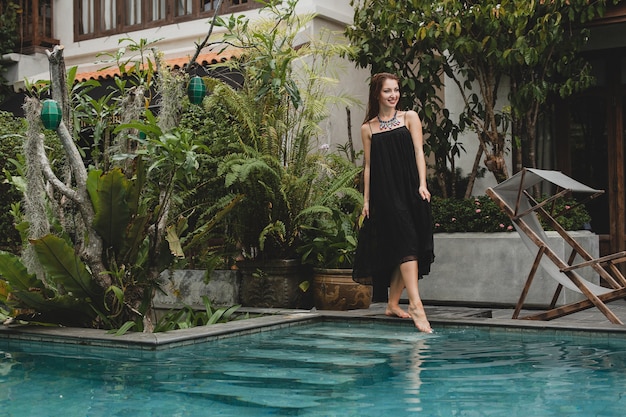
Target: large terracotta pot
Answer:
pixel 274 284
pixel 334 289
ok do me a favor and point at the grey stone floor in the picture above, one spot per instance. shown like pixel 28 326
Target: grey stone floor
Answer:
pixel 591 319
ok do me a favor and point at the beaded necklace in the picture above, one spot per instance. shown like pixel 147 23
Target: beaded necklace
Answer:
pixel 388 124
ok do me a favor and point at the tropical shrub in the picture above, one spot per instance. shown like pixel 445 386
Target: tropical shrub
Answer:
pixel 481 214
pixel 11 140
pixel 188 316
pixel 275 115
pixel 97 240
pixel 329 235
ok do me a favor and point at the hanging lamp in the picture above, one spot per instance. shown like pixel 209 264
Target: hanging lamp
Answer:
pixel 196 90
pixel 51 114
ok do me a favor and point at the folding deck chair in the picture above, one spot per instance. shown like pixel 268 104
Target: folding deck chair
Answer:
pixel 513 197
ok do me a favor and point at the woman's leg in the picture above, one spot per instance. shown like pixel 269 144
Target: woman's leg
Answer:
pixel 396 286
pixel 409 272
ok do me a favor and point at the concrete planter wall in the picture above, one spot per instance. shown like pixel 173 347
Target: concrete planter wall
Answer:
pixel 186 287
pixel 491 269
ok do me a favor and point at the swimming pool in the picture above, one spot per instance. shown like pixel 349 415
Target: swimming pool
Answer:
pixel 324 369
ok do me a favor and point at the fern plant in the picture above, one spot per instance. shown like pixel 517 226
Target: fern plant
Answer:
pixel 287 91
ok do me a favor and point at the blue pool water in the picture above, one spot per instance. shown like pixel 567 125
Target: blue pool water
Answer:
pixel 324 369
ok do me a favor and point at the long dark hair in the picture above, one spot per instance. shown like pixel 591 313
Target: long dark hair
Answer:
pixel 376 85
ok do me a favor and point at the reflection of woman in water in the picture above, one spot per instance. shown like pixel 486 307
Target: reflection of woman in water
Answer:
pixel 414 379
pixel 396 241
pixel 6 363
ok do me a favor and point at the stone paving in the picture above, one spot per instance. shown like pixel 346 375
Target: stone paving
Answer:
pixel 587 320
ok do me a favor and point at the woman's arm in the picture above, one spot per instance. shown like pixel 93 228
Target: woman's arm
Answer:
pixel 414 124
pixel 366 138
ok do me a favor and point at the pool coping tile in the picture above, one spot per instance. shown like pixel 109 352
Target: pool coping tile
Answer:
pixel 592 325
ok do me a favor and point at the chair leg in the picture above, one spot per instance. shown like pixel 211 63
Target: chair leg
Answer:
pixel 529 280
pixel 559 288
pixel 618 274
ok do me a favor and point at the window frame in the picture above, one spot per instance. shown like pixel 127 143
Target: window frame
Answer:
pixel 146 12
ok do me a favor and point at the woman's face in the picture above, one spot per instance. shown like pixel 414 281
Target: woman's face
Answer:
pixel 389 93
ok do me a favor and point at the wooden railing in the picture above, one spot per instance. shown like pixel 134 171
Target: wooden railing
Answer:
pixel 34 25
pixel 100 18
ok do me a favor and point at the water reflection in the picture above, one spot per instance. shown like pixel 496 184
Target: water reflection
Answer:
pixel 6 363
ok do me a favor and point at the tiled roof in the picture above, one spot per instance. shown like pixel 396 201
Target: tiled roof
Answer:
pixel 175 63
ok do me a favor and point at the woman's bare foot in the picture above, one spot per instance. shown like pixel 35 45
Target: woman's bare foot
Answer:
pixel 396 311
pixel 419 318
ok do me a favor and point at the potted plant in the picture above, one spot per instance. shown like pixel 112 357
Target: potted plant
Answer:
pixel 329 241
pixel 275 113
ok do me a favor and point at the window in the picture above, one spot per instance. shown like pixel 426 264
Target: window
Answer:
pixel 96 18
pixel 132 13
pixel 86 17
pixel 108 15
pixel 207 5
pixel 157 10
pixel 184 7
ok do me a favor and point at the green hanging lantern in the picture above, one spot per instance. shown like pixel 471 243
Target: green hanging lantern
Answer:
pixel 51 114
pixel 196 90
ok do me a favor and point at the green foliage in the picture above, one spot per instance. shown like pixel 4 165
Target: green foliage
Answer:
pixel 33 300
pixel 276 115
pixel 535 43
pixel 219 134
pixel 481 214
pixel 64 268
pixel 11 140
pixel 8 25
pixel 330 232
pixel 568 213
pixel 188 317
pixel 110 238
pixel 8 38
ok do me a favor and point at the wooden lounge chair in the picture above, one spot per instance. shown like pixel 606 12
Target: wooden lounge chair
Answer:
pixel 514 198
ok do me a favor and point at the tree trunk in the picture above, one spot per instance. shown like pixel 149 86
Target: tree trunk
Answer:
pixel 91 251
pixel 474 173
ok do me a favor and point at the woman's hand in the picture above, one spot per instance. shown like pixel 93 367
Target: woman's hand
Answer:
pixel 424 193
pixel 366 209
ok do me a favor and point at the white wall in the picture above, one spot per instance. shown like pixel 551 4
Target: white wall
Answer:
pixel 177 40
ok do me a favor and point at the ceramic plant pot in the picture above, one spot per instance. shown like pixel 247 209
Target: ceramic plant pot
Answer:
pixel 334 289
pixel 274 284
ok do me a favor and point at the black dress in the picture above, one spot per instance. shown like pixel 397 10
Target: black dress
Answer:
pixel 399 228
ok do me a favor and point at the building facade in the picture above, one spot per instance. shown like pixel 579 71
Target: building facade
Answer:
pixel 90 29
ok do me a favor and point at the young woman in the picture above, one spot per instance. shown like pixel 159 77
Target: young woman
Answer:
pixel 396 241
